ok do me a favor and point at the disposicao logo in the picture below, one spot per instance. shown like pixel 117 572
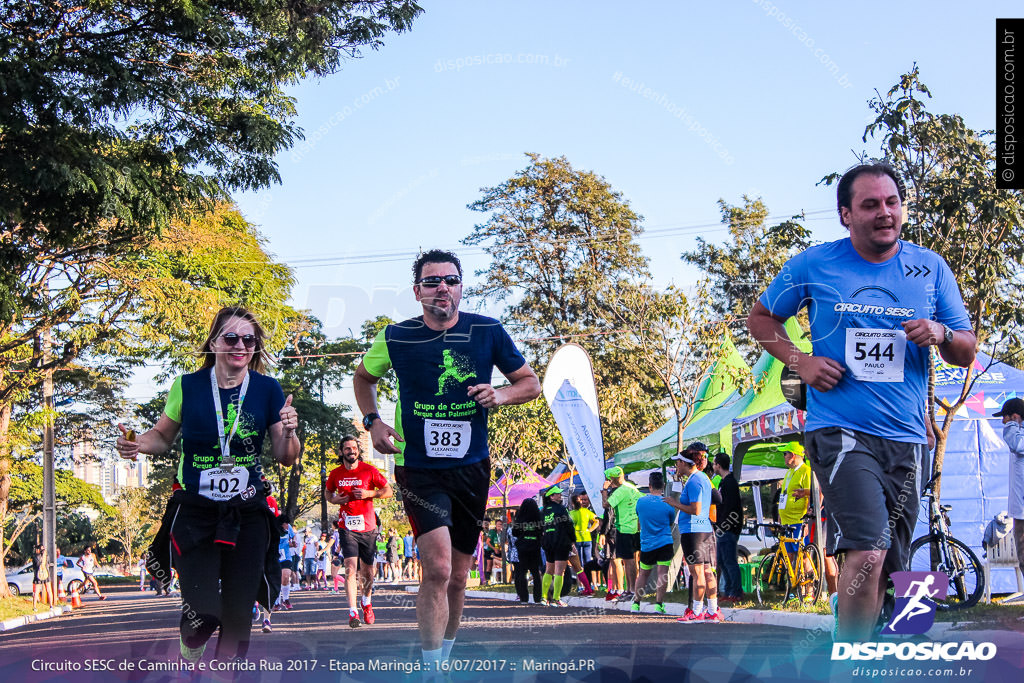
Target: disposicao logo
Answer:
pixel 916 593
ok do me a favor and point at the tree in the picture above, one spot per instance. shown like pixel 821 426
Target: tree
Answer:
pixel 312 365
pixel 526 432
pixel 24 500
pixel 742 268
pixel 117 117
pixel 955 209
pixel 114 313
pixel 681 339
pixel 558 238
pixel 130 524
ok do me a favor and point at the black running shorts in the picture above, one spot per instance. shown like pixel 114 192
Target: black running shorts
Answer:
pixel 873 489
pixel 361 544
pixel 454 497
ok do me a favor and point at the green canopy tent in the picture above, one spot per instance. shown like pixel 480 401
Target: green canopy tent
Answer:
pixel 719 404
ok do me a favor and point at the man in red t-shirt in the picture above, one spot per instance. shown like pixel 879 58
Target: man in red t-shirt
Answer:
pixel 353 486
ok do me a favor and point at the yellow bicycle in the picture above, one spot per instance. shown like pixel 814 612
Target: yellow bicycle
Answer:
pixel 779 579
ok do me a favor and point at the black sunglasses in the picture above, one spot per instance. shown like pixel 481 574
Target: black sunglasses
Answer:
pixel 435 280
pixel 231 339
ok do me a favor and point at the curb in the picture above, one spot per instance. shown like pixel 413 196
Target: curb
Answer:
pixel 18 622
pixel 807 622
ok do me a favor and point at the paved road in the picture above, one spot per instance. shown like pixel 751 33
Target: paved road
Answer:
pixel 499 640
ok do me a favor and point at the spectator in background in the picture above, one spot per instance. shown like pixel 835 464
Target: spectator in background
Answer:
pixel 40 578
pixel 527 527
pixel 622 498
pixel 557 543
pixel 728 526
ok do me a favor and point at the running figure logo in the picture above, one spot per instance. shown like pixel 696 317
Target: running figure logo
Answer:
pixel 915 595
pixel 457 368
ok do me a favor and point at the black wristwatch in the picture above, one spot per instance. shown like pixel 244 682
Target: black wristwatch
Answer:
pixel 368 420
pixel 947 334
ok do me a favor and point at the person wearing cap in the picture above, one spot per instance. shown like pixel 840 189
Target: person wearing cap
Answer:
pixel 696 537
pixel 606 543
pixel 1013 414
pixel 876 304
pixel 794 496
pixel 556 543
pixel 627 527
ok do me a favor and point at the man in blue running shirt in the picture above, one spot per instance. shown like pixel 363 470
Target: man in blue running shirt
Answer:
pixel 876 303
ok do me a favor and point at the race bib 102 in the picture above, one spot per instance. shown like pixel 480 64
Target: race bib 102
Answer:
pixel 875 355
pixel 219 484
pixel 446 439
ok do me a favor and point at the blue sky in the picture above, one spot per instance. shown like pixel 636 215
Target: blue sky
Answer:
pixel 744 97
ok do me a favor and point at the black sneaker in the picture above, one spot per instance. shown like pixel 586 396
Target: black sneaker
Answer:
pixel 353 621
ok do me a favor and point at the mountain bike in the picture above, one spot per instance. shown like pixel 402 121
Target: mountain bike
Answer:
pixel 940 551
pixel 779 579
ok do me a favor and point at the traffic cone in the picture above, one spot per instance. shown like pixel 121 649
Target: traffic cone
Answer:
pixel 76 601
pixel 61 595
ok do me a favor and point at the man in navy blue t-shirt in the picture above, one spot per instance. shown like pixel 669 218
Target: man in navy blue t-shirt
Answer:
pixel 876 303
pixel 444 360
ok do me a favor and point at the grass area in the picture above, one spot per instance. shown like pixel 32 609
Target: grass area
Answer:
pixel 995 616
pixel 18 607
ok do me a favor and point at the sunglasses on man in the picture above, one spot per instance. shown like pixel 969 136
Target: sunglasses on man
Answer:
pixel 231 339
pixel 432 281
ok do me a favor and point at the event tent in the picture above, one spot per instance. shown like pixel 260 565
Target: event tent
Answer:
pixel 719 404
pixel 512 491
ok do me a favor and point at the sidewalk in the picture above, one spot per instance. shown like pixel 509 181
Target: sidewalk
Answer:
pixel 18 622
pixel 807 622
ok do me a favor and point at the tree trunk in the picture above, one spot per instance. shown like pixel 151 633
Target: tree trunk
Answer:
pixel 5 489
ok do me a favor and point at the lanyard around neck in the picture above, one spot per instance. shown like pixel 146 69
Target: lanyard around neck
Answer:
pixel 226 459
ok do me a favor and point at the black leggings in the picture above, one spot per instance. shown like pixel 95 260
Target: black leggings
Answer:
pixel 239 568
pixel 528 562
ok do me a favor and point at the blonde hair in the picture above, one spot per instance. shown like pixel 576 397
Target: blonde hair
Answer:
pixel 259 359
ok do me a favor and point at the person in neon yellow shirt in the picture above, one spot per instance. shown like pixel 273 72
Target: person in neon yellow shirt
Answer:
pixel 795 495
pixel 585 522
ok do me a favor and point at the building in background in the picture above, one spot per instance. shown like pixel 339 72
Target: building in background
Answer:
pixel 106 470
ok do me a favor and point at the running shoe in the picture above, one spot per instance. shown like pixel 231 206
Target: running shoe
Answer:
pixel 559 603
pixel 659 607
pixel 833 601
pixel 353 620
pixel 712 616
pixel 545 603
pixel 610 596
pixel 287 604
pixel 192 654
pixel 266 626
pixel 688 616
pixel 635 607
pixel 628 595
pixel 368 614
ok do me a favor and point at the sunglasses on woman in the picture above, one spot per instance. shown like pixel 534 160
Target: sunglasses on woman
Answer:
pixel 432 281
pixel 231 339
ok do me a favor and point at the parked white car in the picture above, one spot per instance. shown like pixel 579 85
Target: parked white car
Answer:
pixel 19 581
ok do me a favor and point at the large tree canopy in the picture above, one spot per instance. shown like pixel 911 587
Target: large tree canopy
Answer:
pixel 560 239
pixel 116 116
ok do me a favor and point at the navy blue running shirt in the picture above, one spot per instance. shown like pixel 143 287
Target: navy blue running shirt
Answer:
pixel 442 426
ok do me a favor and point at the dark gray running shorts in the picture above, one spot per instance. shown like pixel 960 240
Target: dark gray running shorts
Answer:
pixel 697 547
pixel 873 490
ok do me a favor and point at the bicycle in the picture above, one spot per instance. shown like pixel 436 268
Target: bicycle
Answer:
pixel 777 580
pixel 940 551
